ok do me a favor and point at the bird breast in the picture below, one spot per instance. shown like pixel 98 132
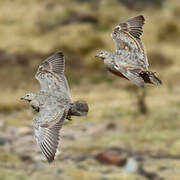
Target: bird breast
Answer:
pixel 109 63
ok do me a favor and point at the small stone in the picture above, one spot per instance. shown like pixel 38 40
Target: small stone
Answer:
pixel 24 131
pixel 111 158
pixel 132 166
pixel 3 141
pixel 111 125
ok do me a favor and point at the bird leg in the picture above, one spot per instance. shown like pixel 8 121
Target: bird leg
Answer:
pixel 68 117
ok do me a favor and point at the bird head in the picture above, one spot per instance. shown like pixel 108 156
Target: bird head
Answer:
pixel 28 97
pixel 102 54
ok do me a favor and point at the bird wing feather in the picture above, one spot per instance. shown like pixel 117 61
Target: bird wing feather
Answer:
pixel 47 126
pixel 127 38
pixel 51 76
pixel 132 75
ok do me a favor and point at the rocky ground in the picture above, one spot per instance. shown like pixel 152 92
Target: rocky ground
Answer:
pixel 81 156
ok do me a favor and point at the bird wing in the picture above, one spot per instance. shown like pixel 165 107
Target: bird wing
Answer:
pixel 47 125
pixel 127 38
pixel 132 75
pixel 133 26
pixel 144 53
pixel 51 76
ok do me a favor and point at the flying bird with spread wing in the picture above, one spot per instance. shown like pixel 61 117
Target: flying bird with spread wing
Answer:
pixel 53 104
pixel 129 60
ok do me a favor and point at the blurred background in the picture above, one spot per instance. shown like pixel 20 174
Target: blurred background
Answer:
pixel 129 133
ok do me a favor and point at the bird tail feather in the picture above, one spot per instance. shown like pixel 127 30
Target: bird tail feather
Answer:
pixel 150 77
pixel 79 108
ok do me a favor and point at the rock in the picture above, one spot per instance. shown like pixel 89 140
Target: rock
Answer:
pixel 111 158
pixel 4 140
pixel 111 126
pixel 24 131
pixel 25 157
pixel 132 166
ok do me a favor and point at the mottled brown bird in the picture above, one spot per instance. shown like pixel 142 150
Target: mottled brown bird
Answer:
pixel 129 60
pixel 53 104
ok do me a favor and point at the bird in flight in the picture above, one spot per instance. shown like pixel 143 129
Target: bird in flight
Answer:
pixel 129 59
pixel 53 104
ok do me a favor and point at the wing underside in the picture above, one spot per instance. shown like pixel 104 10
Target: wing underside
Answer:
pixel 127 38
pixel 54 84
pixel 51 76
pixel 54 63
pixel 47 126
pixel 132 75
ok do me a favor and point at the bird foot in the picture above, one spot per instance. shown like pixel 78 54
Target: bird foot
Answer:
pixel 68 117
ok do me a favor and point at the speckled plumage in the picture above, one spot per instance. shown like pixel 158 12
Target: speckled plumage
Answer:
pixel 53 104
pixel 129 60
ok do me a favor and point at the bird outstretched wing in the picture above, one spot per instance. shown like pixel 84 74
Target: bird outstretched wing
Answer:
pixel 51 76
pixel 47 126
pixel 133 26
pixel 128 43
pixel 132 75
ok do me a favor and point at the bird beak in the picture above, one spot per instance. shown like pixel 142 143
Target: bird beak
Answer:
pixel 22 98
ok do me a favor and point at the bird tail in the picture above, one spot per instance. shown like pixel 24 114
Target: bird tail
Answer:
pixel 79 108
pixel 150 77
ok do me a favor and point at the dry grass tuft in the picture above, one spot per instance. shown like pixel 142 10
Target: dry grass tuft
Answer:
pixel 158 59
pixel 170 31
